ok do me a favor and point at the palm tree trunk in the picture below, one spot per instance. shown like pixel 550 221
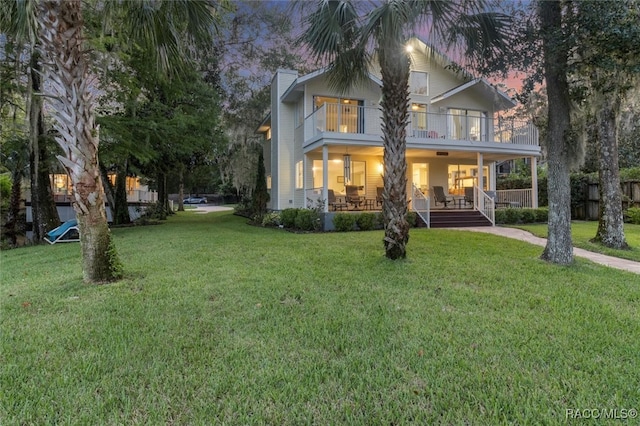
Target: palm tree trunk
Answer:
pixel 611 224
pixel 66 69
pixel 394 67
pixel 559 248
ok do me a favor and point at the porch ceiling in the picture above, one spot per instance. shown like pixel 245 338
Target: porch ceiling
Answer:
pixel 372 151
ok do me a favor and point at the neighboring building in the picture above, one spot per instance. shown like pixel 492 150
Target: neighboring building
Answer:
pixel 136 191
pixel 138 196
pixel 318 141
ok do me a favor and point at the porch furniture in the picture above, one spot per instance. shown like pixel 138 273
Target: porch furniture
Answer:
pixel 66 233
pixel 468 195
pixel 369 203
pixel 441 198
pixel 504 204
pixel 353 197
pixel 334 203
pixel 379 190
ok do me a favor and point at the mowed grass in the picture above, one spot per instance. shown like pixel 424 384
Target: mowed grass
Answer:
pixel 218 322
pixel 584 231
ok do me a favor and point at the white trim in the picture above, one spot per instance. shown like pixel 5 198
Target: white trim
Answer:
pixel 503 101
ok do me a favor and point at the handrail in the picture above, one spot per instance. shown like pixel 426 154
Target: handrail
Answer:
pixel 484 204
pixel 358 119
pixel 421 205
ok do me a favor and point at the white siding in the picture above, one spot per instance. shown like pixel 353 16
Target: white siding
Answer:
pixel 282 159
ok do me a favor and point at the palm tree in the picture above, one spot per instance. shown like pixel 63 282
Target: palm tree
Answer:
pixel 338 35
pixel 67 68
pixel 18 20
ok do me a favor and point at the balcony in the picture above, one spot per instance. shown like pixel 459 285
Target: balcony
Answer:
pixel 351 120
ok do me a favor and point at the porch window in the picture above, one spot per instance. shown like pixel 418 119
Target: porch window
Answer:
pixel 465 176
pixel 335 172
pixel 299 175
pixel 343 115
pixel 421 176
pixel 465 124
pixel 268 181
pixel 419 120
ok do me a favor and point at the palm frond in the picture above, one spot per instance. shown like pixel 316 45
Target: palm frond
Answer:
pixel 333 29
pixel 19 19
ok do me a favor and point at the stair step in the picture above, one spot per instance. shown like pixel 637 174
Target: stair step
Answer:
pixel 456 219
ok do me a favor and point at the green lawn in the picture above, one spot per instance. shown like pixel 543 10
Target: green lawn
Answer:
pixel 218 322
pixel 582 232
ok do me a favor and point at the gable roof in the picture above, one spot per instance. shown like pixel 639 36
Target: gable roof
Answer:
pixel 297 87
pixel 501 100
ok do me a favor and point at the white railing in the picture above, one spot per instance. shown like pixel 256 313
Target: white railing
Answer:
pixel 140 196
pixel 484 204
pixel 420 205
pixel 354 119
pixel 514 198
pixel 313 198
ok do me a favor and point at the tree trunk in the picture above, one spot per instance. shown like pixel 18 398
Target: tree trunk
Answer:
pixel 181 191
pixel 71 96
pixel 44 214
pixel 559 248
pixel 611 222
pixel 163 198
pixel 394 66
pixel 108 188
pixel 13 218
pixel 120 210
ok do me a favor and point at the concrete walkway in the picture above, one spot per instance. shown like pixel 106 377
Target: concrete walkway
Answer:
pixel 205 208
pixel 519 234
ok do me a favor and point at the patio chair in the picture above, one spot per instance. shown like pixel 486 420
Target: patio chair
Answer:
pixel 66 233
pixel 353 197
pixel 334 203
pixel 440 197
pixel 468 195
pixel 379 190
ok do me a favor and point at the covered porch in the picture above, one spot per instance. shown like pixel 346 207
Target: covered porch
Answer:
pixel 328 175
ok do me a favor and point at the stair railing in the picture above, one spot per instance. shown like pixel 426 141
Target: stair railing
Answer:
pixel 420 205
pixel 484 204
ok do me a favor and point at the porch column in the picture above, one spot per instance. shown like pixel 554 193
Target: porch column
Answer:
pixel 534 182
pixel 492 176
pixel 480 171
pixel 325 177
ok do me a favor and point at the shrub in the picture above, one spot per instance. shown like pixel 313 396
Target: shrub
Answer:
pixel 527 215
pixel 379 222
pixel 412 218
pixel 344 222
pixel 512 215
pixel 632 215
pixel 500 216
pixel 542 214
pixel 288 217
pixel 271 219
pixel 366 221
pixel 307 220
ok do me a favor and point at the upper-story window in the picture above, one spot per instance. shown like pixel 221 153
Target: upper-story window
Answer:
pixel 343 115
pixel 419 83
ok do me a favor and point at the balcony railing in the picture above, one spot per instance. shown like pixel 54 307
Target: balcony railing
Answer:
pixel 354 119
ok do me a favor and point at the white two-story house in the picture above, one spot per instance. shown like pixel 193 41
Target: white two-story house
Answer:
pixel 318 141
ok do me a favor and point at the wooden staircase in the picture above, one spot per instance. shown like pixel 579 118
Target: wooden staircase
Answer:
pixel 457 218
